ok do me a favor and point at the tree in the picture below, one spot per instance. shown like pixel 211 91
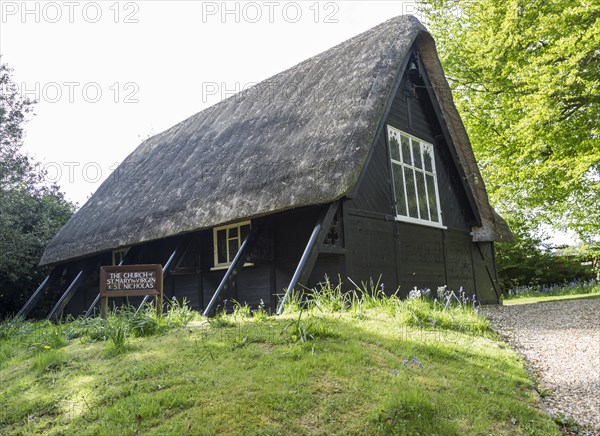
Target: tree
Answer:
pixel 531 261
pixel 525 75
pixel 31 211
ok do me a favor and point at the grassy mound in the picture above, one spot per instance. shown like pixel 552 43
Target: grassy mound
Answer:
pixel 359 363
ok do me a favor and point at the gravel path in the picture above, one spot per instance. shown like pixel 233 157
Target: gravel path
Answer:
pixel 561 343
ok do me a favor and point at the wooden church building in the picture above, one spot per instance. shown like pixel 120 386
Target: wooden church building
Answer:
pixel 354 163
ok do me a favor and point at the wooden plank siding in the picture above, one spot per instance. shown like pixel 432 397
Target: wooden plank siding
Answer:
pixel 486 275
pixel 407 254
pixel 370 249
pixel 457 255
pixel 420 254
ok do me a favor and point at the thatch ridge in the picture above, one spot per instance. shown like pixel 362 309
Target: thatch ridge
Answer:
pixel 299 138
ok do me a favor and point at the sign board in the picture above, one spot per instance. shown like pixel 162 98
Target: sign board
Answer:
pixel 130 281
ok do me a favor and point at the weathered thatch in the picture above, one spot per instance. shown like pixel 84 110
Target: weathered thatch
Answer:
pixel 299 138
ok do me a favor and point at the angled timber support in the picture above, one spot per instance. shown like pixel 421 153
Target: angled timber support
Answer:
pixel 35 297
pixel 97 299
pixel 68 294
pixel 172 261
pixel 94 303
pixel 491 276
pixel 309 256
pixel 238 262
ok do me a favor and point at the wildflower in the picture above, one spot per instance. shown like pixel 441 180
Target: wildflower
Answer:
pixel 413 362
pixel 416 362
pixel 395 371
pixel 414 293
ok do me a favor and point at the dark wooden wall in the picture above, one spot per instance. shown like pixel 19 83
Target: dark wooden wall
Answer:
pixel 486 274
pixel 405 254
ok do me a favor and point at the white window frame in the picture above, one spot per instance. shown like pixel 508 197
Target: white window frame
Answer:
pixel 423 147
pixel 224 265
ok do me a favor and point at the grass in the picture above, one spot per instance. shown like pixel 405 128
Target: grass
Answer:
pixel 572 291
pixel 358 363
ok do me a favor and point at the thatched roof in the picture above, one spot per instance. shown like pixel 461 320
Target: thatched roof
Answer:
pixel 299 138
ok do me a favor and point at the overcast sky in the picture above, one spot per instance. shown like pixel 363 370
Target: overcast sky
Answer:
pixel 109 74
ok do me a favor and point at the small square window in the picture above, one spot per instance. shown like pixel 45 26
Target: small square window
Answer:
pixel 227 241
pixel 118 256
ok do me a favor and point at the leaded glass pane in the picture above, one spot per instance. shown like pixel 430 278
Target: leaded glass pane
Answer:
pixel 422 195
pixel 406 157
pixel 233 248
pixel 411 195
pixel 432 199
pixel 221 246
pixel 399 190
pixel 428 158
pixel 395 147
pixel 416 148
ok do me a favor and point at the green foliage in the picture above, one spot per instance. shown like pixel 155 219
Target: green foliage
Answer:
pixel 448 311
pixel 220 319
pixel 307 329
pixel 14 327
pixel 411 412
pixel 241 311
pixel 49 336
pixel 573 289
pixel 118 330
pixel 261 314
pixel 529 262
pixel 126 321
pixel 31 213
pixel 567 423
pixel 49 360
pixel 178 314
pixel 88 329
pixel 524 75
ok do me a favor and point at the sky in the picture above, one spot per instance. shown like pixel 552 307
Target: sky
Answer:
pixel 109 74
